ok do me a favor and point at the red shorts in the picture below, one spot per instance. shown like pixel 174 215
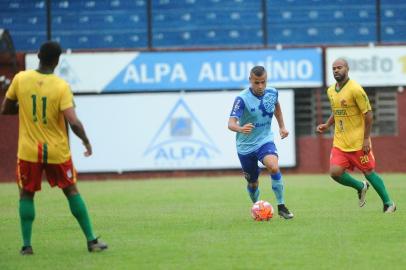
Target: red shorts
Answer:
pixel 349 160
pixel 29 174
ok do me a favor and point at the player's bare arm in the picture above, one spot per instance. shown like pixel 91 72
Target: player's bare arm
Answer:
pixel 78 129
pixel 283 132
pixel 326 126
pixel 9 106
pixel 234 125
pixel 366 146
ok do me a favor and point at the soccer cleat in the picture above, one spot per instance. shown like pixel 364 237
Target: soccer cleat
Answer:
pixel 26 250
pixel 389 208
pixel 362 194
pixel 96 245
pixel 284 212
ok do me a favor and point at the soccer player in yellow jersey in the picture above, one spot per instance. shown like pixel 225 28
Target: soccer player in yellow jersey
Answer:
pixel 44 102
pixel 352 118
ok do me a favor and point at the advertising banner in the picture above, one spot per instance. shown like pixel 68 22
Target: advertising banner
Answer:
pixel 167 131
pixel 372 66
pixel 175 71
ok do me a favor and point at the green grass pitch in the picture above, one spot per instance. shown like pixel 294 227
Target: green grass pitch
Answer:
pixel 205 223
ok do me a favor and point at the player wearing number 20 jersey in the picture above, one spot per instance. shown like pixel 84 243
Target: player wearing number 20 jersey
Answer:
pixel 42 98
pixel 349 105
pixel 352 118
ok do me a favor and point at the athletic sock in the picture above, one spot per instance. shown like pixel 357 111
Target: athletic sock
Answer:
pixel 27 216
pixel 349 181
pixel 79 211
pixel 254 193
pixel 277 187
pixel 379 186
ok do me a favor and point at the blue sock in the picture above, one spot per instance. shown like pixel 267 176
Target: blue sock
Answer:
pixel 254 194
pixel 277 187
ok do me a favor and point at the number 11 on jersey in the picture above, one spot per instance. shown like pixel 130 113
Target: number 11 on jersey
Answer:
pixel 34 109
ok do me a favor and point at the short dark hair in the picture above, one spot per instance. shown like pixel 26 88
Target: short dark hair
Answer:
pixel 49 52
pixel 258 71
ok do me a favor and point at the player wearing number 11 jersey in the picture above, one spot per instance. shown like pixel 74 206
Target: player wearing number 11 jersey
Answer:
pixel 352 117
pixel 43 101
pixel 42 98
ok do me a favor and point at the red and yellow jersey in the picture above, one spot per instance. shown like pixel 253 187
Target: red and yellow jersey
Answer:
pixel 42 131
pixel 349 104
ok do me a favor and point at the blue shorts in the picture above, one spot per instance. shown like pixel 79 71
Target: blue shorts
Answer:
pixel 249 162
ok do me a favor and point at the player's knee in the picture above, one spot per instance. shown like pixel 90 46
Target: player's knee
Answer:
pixel 253 185
pixel 70 190
pixel 273 170
pixel 250 178
pixel 25 194
pixel 336 174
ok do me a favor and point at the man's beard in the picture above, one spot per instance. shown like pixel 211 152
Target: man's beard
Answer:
pixel 339 78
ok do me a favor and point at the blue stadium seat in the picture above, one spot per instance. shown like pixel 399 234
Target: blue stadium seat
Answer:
pixel 393 21
pixel 77 24
pixel 26 22
pixel 294 22
pixel 94 24
pixel 206 23
pixel 117 24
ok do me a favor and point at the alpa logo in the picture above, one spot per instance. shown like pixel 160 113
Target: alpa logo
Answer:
pixel 67 72
pixel 181 138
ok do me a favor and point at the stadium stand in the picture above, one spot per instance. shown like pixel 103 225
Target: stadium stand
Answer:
pixel 83 24
pixel 100 24
pixel 393 21
pixel 139 24
pixel 26 21
pixel 308 22
pixel 206 23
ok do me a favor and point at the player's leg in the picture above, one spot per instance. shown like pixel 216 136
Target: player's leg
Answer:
pixel 340 175
pixel 267 154
pixel 79 210
pixel 249 165
pixel 64 175
pixel 366 163
pixel 271 163
pixel 27 216
pixel 339 162
pixel 379 186
pixel 29 181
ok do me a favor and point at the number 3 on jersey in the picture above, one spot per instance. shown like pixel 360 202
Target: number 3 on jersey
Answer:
pixel 34 109
pixel 341 125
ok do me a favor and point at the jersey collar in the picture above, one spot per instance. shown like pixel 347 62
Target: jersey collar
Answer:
pixel 252 92
pixel 339 89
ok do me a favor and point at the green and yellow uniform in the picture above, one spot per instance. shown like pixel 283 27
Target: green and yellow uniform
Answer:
pixel 348 104
pixel 42 130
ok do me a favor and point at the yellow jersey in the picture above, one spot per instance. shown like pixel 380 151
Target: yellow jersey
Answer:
pixel 349 104
pixel 42 130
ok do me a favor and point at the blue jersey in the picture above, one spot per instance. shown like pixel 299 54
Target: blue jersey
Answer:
pixel 249 108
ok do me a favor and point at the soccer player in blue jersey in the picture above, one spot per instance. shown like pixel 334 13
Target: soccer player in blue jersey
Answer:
pixel 251 119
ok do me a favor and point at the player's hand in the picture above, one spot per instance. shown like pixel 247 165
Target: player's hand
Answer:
pixel 322 128
pixel 247 128
pixel 89 151
pixel 283 132
pixel 366 146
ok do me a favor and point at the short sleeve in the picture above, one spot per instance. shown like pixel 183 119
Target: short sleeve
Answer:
pixel 13 88
pixel 362 100
pixel 238 108
pixel 66 98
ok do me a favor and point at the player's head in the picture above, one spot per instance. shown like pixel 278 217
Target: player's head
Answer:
pixel 258 78
pixel 340 70
pixel 49 53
